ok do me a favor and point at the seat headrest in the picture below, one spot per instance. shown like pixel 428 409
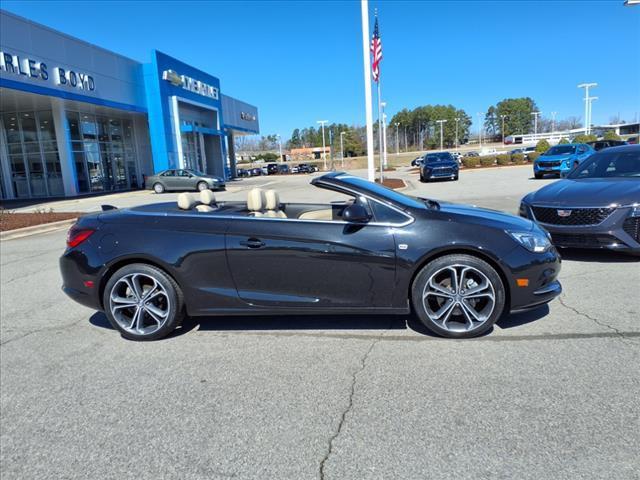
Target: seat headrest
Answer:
pixel 255 200
pixel 272 200
pixel 207 197
pixel 186 201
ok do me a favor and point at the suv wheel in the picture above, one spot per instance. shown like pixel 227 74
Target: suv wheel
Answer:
pixel 143 302
pixel 458 296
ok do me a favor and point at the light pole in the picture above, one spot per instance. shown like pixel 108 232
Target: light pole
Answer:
pixel 480 117
pixel 384 136
pixel 280 145
pixel 342 148
pixel 553 121
pixel 382 147
pixel 503 117
pixel 406 147
pixel 457 119
pixel 441 122
pixel 324 156
pixel 535 124
pixel 587 112
pixel 589 101
pixel 397 143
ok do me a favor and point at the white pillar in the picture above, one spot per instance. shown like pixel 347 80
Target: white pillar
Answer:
pixel 364 9
pixel 65 153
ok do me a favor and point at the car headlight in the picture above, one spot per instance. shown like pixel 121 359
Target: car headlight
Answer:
pixel 523 211
pixel 536 242
pixel 635 211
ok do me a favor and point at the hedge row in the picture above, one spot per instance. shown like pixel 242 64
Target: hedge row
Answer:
pixel 502 159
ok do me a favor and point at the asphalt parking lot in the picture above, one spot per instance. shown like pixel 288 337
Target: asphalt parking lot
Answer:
pixel 548 394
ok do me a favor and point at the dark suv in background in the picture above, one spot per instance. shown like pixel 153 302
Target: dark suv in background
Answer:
pixel 438 165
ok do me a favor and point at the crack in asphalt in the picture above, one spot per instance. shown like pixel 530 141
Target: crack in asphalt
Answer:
pixel 623 336
pixel 343 416
pixel 43 329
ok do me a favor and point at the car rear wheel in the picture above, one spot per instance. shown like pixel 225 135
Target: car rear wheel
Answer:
pixel 158 188
pixel 202 186
pixel 143 302
pixel 458 296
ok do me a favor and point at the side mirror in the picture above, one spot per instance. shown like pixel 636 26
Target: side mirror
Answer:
pixel 356 214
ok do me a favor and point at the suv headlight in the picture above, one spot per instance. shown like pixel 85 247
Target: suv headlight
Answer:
pixel 536 242
pixel 524 210
pixel 635 211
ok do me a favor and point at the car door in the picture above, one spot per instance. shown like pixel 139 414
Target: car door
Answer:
pixel 311 264
pixel 185 180
pixel 169 179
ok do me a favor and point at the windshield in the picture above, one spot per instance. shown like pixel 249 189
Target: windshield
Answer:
pixel 438 157
pixel 383 192
pixel 607 164
pixel 561 150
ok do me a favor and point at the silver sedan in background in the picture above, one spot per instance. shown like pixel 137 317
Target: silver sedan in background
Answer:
pixel 182 179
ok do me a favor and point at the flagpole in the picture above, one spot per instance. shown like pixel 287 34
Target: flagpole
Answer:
pixel 364 7
pixel 380 147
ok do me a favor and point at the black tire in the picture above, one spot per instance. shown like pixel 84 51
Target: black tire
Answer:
pixel 158 187
pixel 174 301
pixel 202 186
pixel 459 260
pixel 455 178
pixel 538 175
pixel 422 179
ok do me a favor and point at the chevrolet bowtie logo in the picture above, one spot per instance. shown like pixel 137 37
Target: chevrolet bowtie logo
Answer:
pixel 172 77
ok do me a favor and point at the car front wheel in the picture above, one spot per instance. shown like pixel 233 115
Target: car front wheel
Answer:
pixel 142 302
pixel 458 296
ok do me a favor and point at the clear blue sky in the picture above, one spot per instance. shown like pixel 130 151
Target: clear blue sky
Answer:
pixel 302 61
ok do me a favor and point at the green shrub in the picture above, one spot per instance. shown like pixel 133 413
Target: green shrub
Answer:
pixel 584 138
pixel 504 159
pixel 518 158
pixel 488 160
pixel 611 135
pixel 471 162
pixel 563 141
pixel 533 156
pixel 542 146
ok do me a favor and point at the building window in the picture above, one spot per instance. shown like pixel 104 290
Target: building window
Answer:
pixel 103 152
pixel 33 154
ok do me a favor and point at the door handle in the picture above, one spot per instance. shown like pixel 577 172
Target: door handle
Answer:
pixel 253 243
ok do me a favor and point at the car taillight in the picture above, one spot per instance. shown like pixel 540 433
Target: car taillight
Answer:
pixel 76 235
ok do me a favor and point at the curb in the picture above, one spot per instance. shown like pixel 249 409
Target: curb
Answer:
pixel 36 229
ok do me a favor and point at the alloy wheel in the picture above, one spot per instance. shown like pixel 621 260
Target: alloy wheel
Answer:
pixel 139 303
pixel 459 298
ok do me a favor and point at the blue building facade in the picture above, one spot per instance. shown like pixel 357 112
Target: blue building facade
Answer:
pixel 78 119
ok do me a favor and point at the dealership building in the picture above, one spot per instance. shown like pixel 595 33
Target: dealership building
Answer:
pixel 78 119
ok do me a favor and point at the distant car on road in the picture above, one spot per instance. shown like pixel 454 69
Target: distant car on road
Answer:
pixel 305 168
pixel 560 159
pixel 598 145
pixel 528 150
pixel 283 169
pixel 295 169
pixel 457 156
pixel 183 179
pixel 596 206
pixel 242 172
pixel 272 168
pixel 515 151
pixel 416 161
pixel 472 154
pixel 256 172
pixel 438 165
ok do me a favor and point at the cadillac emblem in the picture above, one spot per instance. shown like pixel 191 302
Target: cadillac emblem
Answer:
pixel 563 213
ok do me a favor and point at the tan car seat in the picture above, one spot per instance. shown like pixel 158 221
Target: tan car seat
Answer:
pixel 186 201
pixel 255 202
pixel 207 201
pixel 272 205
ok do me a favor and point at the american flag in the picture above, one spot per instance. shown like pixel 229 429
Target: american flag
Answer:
pixel 376 51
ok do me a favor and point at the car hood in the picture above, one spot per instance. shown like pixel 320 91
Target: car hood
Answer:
pixel 551 158
pixel 446 163
pixel 486 217
pixel 588 192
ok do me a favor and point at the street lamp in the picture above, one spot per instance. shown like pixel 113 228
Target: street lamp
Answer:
pixel 280 145
pixel 384 136
pixel 383 145
pixel 342 148
pixel 397 143
pixel 587 111
pixel 324 156
pixel 535 124
pixel 553 121
pixel 441 122
pixel 457 119
pixel 589 101
pixel 481 117
pixel 503 117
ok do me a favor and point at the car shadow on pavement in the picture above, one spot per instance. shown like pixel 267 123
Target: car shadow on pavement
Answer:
pixel 320 322
pixel 597 256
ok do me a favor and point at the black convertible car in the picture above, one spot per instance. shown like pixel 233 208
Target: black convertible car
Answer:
pixel 377 252
pixel 596 206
